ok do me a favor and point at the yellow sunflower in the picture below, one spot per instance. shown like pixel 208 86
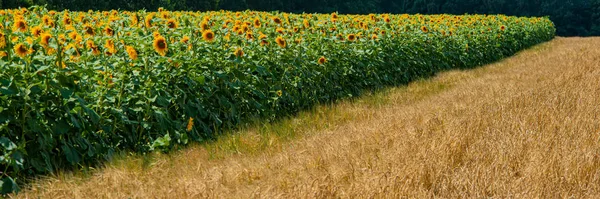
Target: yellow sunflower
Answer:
pixel 20 25
pixel 280 41
pixel 171 23
pixel 131 52
pixel 208 35
pixel 322 60
pixel 160 45
pixel 109 31
pixel 36 31
pixel 190 124
pixel 21 50
pixel 351 37
pixel 239 52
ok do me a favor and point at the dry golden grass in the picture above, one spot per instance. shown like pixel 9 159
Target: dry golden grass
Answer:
pixel 526 127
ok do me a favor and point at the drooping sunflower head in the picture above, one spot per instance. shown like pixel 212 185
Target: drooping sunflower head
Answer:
pixel 322 60
pixel 208 35
pixel 21 50
pixel 131 52
pixel 160 45
pixel 280 41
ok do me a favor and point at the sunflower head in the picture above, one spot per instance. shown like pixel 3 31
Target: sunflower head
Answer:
pixel 322 60
pixel 280 41
pixel 502 28
pixel 185 39
pixel 351 37
pixel 110 46
pixel 204 25
pixel 45 39
pixel 131 52
pixel 108 31
pixel 190 124
pixel 208 35
pixel 239 52
pixel 277 20
pixel 89 30
pixel 424 29
pixel 160 45
pixel 20 25
pixel 257 23
pixel 172 23
pixel 21 50
pixel 36 31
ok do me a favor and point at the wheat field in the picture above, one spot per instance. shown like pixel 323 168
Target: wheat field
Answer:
pixel 525 127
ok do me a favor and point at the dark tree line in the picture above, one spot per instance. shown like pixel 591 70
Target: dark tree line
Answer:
pixel 572 17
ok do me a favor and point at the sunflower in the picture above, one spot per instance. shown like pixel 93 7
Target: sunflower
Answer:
pixel 424 29
pixel 502 28
pixel 208 35
pixel 160 45
pixel 280 41
pixel 279 30
pixel 185 39
pixel 322 60
pixel 3 54
pixel 20 25
pixel 131 52
pixel 190 124
pixel 109 31
pixel 204 25
pixel 238 52
pixel 171 23
pixel 351 37
pixel 89 30
pixel 277 20
pixel 110 46
pixel 306 23
pixel 21 50
pixel 257 23
pixel 148 20
pixel 67 20
pixel 36 31
pixel 249 36
pixel 45 39
pixel 2 40
pixel 374 37
pixel 279 93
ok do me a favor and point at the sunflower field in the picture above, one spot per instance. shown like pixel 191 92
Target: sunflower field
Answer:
pixel 77 86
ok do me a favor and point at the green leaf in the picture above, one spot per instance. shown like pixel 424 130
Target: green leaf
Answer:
pixel 8 185
pixel 7 144
pixel 71 155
